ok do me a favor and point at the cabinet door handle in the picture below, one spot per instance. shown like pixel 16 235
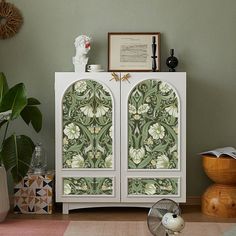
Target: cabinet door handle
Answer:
pixel 115 76
pixel 126 77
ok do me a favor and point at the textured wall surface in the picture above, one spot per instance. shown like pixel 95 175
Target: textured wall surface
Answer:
pixel 202 33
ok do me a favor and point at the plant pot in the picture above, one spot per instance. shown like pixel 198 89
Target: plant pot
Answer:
pixel 4 197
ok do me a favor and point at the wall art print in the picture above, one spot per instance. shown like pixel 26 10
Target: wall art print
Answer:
pixel 153 126
pixel 87 126
pixel 88 186
pixel 153 186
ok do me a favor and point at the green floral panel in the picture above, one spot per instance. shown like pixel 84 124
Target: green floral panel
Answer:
pixel 153 186
pixel 88 186
pixel 153 126
pixel 87 126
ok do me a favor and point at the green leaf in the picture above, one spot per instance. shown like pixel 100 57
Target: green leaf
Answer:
pixel 16 155
pixel 145 162
pixel 15 100
pixel 3 86
pixel 31 114
pixel 33 101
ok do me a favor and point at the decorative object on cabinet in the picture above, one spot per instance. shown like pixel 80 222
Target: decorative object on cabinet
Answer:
pixel 11 20
pixel 82 44
pixel 34 194
pixel 172 61
pixel 219 198
pixel 93 112
pixel 133 51
pixel 154 49
pixel 94 68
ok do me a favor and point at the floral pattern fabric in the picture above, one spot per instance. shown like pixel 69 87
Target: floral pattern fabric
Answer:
pixel 87 126
pixel 153 186
pixel 153 126
pixel 88 186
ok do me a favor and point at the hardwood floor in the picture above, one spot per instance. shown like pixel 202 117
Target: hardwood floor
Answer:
pixel 189 213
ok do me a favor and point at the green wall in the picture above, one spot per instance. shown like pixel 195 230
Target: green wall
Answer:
pixel 202 33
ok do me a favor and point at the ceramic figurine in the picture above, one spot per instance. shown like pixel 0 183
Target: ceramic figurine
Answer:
pixel 80 60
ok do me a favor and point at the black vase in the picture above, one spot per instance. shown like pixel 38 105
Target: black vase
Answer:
pixel 172 61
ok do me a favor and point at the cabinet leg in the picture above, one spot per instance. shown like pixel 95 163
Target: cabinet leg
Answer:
pixel 65 208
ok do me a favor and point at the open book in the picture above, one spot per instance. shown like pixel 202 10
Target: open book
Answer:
pixel 229 151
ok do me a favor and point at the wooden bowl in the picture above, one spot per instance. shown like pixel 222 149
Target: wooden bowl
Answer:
pixel 221 170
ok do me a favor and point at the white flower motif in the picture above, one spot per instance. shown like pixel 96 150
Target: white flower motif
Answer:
pixel 164 87
pixel 172 110
pixel 132 109
pixel 77 161
pixel 150 189
pixel 149 141
pixel 110 131
pixel 143 108
pixel 80 86
pixel 108 161
pixel 137 154
pixel 167 188
pixel 67 188
pixel 162 162
pixel 68 162
pixel 105 187
pixel 72 131
pixel 101 111
pixel 65 141
pixel 87 110
pixel 157 131
pixel 137 117
pixel 84 187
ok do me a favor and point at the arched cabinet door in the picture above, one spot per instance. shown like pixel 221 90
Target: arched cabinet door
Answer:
pixel 86 127
pixel 153 146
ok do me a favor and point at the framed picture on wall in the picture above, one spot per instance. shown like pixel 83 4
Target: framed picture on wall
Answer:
pixel 133 51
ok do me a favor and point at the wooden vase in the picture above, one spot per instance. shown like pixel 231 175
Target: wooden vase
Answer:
pixel 220 198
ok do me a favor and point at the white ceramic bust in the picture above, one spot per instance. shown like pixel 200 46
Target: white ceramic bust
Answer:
pixel 80 60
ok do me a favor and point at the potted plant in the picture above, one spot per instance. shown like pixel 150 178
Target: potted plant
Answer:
pixel 15 150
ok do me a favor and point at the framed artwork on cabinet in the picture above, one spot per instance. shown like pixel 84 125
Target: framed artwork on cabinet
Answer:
pixel 133 51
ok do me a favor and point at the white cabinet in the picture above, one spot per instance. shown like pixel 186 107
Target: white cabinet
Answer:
pixel 120 140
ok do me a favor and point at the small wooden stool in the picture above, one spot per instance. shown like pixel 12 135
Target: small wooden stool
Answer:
pixel 220 198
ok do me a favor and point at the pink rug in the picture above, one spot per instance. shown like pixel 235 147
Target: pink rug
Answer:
pixel 33 227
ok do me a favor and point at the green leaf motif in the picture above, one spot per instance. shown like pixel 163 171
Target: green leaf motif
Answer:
pixel 153 186
pixel 88 186
pixel 153 126
pixel 87 126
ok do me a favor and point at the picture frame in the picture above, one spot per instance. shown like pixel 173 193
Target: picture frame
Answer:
pixel 133 51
